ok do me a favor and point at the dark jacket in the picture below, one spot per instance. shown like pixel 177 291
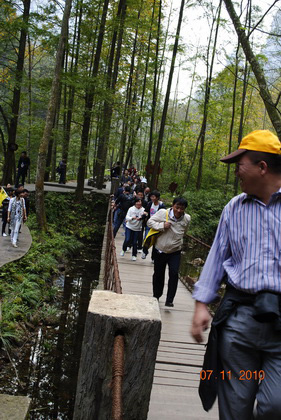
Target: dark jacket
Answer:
pixel 148 207
pixel 23 164
pixel 124 202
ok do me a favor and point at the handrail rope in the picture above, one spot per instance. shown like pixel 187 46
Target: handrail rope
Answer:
pixel 117 376
pixel 112 282
pixel 198 240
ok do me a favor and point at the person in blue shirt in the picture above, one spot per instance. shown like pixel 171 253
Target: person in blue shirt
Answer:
pixel 243 356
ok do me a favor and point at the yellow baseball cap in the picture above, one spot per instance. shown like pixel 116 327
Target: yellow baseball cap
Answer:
pixel 259 141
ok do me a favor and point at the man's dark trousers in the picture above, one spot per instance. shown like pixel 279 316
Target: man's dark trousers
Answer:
pixel 161 259
pixel 21 174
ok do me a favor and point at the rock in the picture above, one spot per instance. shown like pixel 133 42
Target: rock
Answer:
pixel 198 262
pixel 14 407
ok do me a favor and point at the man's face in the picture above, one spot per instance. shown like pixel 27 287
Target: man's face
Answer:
pixel 140 195
pixel 178 210
pixel 248 174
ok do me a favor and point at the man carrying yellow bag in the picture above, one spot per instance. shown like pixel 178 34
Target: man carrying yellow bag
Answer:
pixel 168 247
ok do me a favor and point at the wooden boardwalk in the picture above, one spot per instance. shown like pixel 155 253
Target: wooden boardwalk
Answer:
pixel 179 359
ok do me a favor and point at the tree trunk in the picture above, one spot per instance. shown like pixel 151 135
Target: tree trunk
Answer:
pixel 180 155
pixel 272 111
pixel 206 108
pixel 233 113
pixel 9 165
pixel 111 83
pixel 166 103
pixel 129 101
pixel 29 101
pixel 88 109
pixel 43 148
pixel 154 97
pixel 71 96
pixel 201 136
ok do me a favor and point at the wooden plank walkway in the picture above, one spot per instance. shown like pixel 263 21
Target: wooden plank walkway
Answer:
pixel 179 359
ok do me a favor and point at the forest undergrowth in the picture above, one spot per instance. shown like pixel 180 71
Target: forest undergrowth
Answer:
pixel 27 290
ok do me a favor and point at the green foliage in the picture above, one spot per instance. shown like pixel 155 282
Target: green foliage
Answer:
pixel 26 289
pixel 205 208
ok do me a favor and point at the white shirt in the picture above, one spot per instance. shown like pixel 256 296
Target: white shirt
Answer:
pixel 133 212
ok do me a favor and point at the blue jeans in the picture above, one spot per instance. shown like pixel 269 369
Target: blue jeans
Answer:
pixel 118 222
pixel 131 239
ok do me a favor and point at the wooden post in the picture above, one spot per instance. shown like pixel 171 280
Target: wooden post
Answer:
pixel 138 319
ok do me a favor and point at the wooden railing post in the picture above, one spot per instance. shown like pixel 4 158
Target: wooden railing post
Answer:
pixel 138 318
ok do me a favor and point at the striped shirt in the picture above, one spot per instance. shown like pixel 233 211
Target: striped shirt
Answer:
pixel 246 248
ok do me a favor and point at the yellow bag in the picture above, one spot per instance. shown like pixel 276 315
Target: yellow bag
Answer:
pixel 152 236
pixel 3 195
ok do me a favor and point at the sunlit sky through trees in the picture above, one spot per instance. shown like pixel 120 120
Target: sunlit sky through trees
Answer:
pixel 195 32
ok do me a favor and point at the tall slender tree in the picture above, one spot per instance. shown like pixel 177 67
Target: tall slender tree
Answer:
pixel 9 166
pixel 166 103
pixel 271 107
pixel 112 74
pixel 53 101
pixel 89 100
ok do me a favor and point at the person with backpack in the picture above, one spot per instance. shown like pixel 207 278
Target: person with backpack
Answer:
pixel 123 203
pixel 151 208
pixel 61 170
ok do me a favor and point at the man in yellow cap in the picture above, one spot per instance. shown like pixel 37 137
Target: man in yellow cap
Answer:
pixel 242 364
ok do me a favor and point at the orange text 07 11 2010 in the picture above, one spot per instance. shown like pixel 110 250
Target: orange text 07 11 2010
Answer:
pixel 242 375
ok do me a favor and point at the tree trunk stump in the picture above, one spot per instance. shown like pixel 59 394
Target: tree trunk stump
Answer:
pixel 138 319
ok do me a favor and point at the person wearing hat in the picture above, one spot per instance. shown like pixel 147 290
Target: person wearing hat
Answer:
pixel 242 364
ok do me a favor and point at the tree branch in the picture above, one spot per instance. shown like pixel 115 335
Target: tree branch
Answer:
pixel 261 19
pixel 5 119
pixel 278 99
pixel 268 33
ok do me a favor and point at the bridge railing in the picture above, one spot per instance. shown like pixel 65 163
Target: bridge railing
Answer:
pixel 111 273
pixel 119 330
pixel 112 282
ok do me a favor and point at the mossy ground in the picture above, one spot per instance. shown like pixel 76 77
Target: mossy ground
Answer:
pixel 27 292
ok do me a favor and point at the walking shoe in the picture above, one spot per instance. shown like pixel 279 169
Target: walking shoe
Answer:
pixel 143 255
pixel 170 304
pixel 134 258
pixel 4 234
pixel 139 250
pixel 122 253
pixel 15 245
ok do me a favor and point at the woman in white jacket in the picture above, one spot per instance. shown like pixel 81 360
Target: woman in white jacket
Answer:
pixel 16 215
pixel 134 219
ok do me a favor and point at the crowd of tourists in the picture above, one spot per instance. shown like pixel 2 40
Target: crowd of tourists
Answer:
pixel 15 210
pixel 144 217
pixel 242 363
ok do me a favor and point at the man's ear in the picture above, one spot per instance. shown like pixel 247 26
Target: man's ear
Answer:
pixel 263 167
